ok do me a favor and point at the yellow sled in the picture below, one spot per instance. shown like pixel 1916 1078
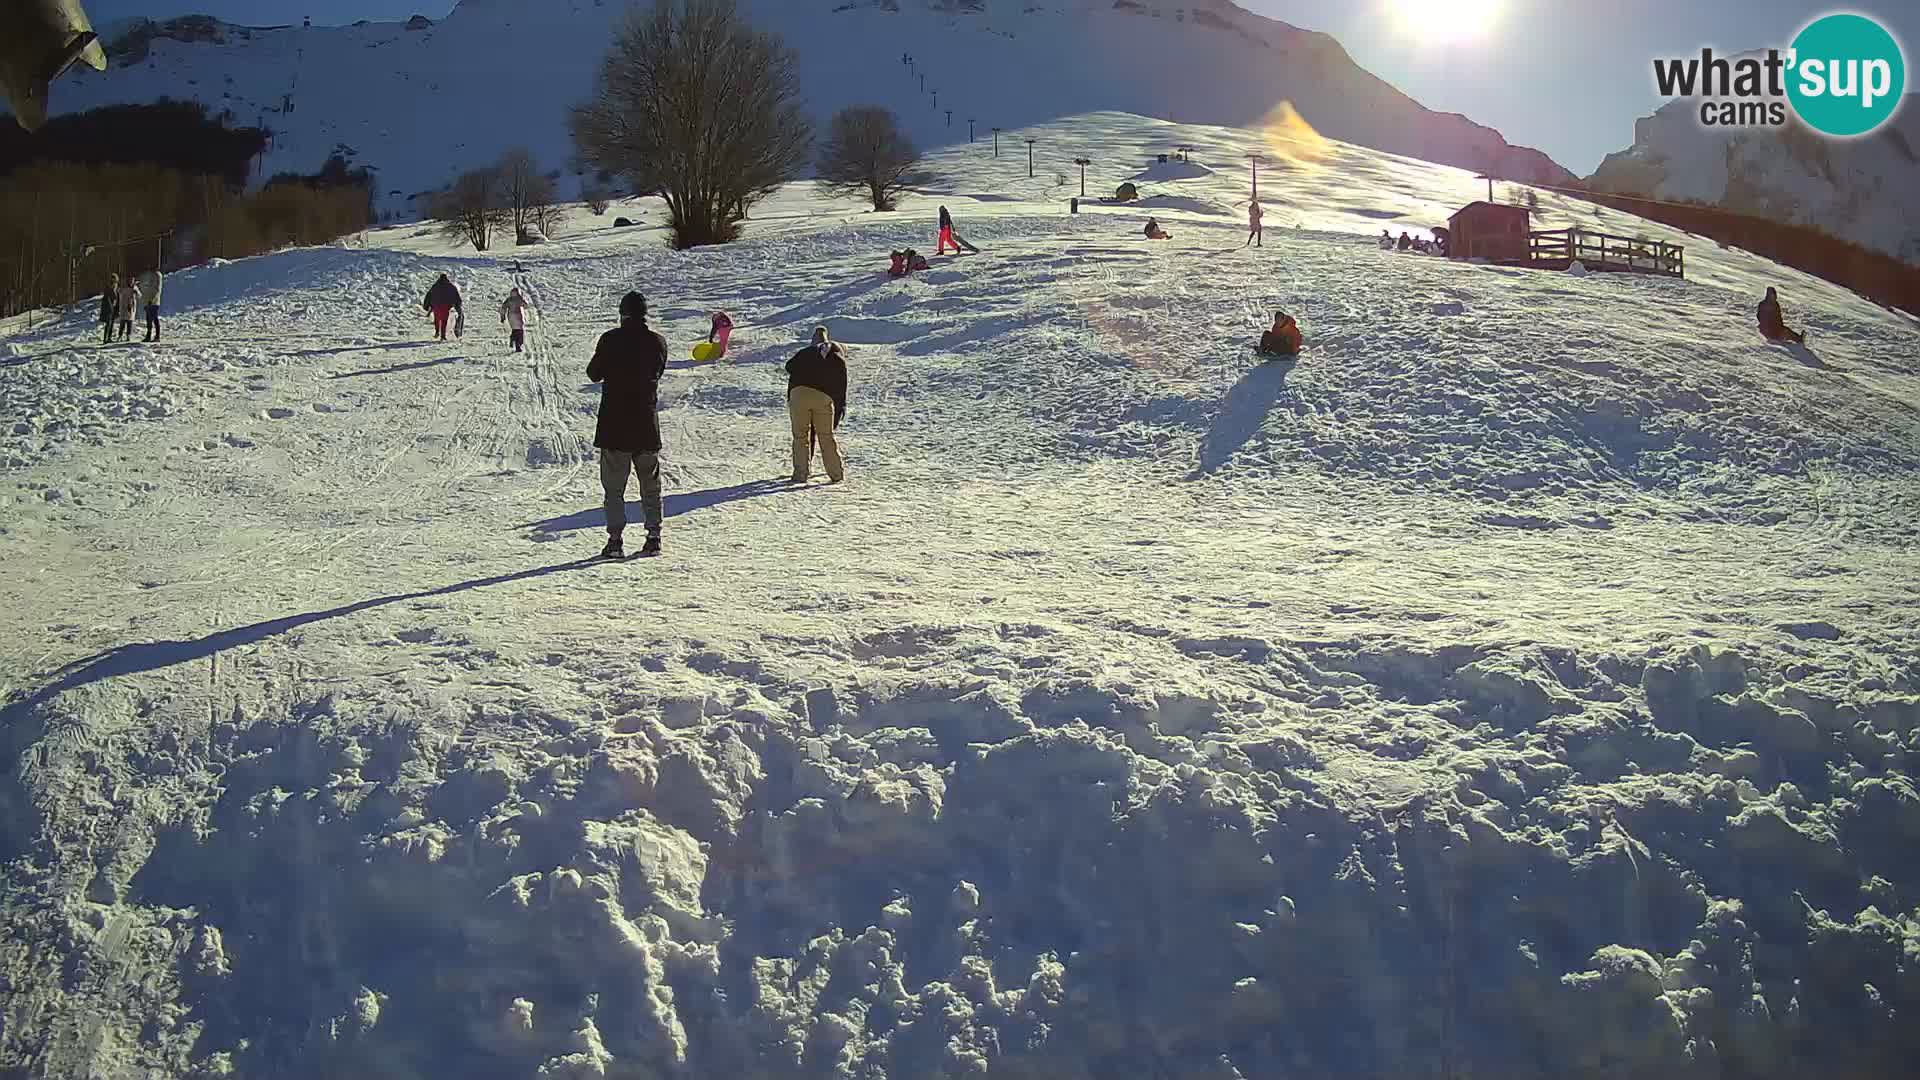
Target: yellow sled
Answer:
pixel 707 350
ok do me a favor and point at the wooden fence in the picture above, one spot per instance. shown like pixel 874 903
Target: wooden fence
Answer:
pixel 1557 249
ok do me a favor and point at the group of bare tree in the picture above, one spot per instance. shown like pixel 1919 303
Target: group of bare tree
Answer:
pixel 695 104
pixel 511 196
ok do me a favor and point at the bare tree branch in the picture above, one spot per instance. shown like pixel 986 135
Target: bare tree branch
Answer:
pixel 695 104
pixel 867 154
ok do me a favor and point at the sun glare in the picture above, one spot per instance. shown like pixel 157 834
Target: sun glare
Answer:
pixel 1447 21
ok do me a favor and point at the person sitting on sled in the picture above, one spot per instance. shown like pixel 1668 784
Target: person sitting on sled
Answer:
pixel 899 267
pixel 915 261
pixel 1283 338
pixel 1153 230
pixel 1773 322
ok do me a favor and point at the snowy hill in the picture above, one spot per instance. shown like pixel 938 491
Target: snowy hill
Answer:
pixel 1522 685
pixel 1865 190
pixel 422 104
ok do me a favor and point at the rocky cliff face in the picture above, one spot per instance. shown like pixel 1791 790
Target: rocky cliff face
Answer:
pixel 1865 190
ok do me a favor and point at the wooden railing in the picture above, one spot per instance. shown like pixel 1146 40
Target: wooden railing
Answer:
pixel 1560 248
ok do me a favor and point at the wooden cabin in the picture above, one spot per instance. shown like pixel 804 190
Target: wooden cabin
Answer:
pixel 1492 231
pixel 1499 233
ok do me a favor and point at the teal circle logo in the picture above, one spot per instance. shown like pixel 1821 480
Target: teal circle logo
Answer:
pixel 1847 75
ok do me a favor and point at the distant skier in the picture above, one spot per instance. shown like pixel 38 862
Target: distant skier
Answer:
pixel 1255 234
pixel 1153 231
pixel 109 309
pixel 443 299
pixel 513 312
pixel 1773 322
pixel 150 283
pixel 127 301
pixel 816 403
pixel 1406 241
pixel 1283 338
pixel 628 363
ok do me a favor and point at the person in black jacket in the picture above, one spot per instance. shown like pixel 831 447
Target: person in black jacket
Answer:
pixel 109 309
pixel 816 403
pixel 1773 322
pixel 628 363
pixel 443 299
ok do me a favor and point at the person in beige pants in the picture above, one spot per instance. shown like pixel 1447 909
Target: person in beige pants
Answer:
pixel 816 403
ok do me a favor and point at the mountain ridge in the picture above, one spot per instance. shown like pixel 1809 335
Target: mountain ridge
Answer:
pixel 521 65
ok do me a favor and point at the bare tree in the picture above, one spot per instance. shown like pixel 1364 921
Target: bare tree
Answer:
pixel 867 154
pixel 529 195
pixel 596 198
pixel 694 103
pixel 473 208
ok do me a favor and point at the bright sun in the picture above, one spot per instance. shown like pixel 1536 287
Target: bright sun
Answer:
pixel 1446 21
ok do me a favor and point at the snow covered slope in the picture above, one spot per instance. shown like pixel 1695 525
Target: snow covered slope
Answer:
pixel 420 105
pixel 1865 190
pixel 1523 685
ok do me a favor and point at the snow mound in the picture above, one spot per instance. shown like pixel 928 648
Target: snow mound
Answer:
pixel 1167 171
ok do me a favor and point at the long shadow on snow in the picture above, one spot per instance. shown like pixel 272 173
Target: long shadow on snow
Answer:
pixel 1242 412
pixel 153 655
pixel 305 354
pixel 395 369
pixel 675 505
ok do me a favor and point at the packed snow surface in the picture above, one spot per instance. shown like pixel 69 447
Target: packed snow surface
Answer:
pixel 1522 684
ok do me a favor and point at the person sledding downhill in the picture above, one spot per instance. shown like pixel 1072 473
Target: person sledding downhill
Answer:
pixel 443 299
pixel 1153 231
pixel 1773 322
pixel 816 403
pixel 1282 339
pixel 628 363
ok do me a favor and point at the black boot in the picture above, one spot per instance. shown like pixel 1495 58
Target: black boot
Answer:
pixel 652 546
pixel 614 549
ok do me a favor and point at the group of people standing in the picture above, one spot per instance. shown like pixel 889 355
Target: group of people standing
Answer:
pixel 120 300
pixel 628 362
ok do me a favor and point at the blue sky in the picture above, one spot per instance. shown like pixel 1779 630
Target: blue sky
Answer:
pixel 1566 76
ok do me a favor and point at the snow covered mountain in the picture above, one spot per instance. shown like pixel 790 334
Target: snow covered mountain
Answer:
pixel 1866 190
pixel 1524 684
pixel 420 101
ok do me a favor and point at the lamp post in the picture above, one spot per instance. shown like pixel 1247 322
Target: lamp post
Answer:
pixel 949 117
pixel 1256 159
pixel 1083 163
pixel 923 82
pixel 996 142
pixel 969 129
pixel 1030 143
pixel 1186 153
pixel 936 99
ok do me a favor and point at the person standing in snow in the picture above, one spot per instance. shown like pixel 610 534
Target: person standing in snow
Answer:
pixel 109 309
pixel 513 312
pixel 816 403
pixel 721 321
pixel 127 301
pixel 150 283
pixel 1773 322
pixel 443 299
pixel 1283 338
pixel 628 363
pixel 946 234
pixel 1254 231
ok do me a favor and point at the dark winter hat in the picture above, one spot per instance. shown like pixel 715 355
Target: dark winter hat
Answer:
pixel 633 306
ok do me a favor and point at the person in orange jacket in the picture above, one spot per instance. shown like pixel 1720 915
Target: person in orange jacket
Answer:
pixel 1283 338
